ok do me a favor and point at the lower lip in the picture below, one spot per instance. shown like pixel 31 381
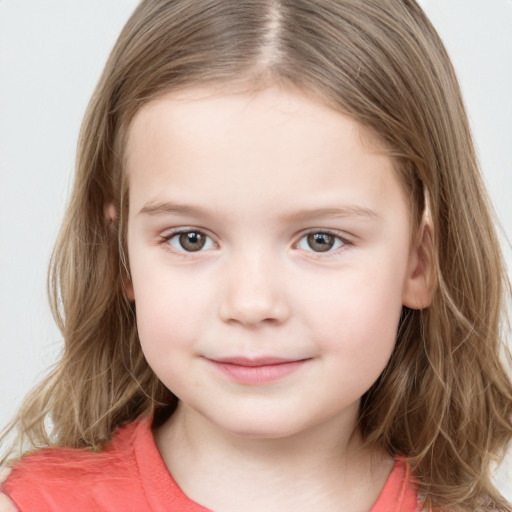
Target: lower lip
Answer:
pixel 258 374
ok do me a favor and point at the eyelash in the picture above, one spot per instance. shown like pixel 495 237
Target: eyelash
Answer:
pixel 342 241
pixel 165 240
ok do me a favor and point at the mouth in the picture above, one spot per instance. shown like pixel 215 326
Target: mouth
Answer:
pixel 257 371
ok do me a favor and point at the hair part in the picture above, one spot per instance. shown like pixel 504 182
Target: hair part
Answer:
pixel 445 399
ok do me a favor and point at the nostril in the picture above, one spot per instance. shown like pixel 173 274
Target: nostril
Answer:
pixel 252 310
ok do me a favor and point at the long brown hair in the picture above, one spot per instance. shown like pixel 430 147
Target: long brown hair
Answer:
pixel 445 399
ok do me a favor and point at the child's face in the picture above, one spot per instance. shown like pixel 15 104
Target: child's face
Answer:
pixel 270 258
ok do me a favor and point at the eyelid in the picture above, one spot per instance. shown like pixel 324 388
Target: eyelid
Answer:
pixel 345 241
pixel 164 239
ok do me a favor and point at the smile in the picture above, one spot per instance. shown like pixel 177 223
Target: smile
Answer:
pixel 257 371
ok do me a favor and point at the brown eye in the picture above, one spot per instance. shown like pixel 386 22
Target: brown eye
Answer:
pixel 190 241
pixel 320 242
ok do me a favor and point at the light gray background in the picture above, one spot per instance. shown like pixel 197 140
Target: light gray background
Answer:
pixel 51 55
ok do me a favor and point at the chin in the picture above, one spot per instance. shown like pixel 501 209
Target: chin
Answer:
pixel 260 428
pixel 261 434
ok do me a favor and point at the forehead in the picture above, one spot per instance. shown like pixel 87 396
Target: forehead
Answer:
pixel 196 111
pixel 273 142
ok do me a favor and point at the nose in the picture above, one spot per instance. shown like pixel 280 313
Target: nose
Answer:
pixel 253 293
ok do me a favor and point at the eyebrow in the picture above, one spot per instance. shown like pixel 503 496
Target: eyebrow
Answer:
pixel 339 212
pixel 167 208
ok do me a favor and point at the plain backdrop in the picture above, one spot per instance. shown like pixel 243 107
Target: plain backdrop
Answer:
pixel 51 55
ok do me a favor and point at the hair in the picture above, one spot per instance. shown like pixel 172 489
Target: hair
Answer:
pixel 444 401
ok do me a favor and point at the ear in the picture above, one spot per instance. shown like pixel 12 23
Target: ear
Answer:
pixel 110 212
pixel 111 217
pixel 418 287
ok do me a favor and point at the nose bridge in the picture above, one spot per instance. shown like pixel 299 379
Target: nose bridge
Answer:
pixel 252 288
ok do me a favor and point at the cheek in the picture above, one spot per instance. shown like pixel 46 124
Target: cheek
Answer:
pixel 167 326
pixel 355 315
pixel 359 339
pixel 170 308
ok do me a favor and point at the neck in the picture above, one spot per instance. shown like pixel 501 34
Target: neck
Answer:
pixel 327 463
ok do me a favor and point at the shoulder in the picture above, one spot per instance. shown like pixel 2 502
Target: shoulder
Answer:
pixel 66 463
pixel 400 492
pixel 78 479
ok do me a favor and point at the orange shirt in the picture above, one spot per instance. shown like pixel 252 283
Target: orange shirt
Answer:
pixel 129 475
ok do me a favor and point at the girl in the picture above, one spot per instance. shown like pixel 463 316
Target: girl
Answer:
pixel 278 280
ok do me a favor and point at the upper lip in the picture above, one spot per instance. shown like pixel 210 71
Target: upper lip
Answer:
pixel 255 361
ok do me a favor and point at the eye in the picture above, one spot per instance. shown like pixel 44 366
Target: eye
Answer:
pixel 190 241
pixel 320 242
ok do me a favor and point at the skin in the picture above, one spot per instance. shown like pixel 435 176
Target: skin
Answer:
pixel 254 175
pixel 6 504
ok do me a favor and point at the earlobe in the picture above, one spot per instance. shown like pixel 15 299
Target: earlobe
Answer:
pixel 110 212
pixel 418 288
pixel 111 217
pixel 128 288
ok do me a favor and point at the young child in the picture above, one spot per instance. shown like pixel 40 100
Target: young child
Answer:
pixel 278 280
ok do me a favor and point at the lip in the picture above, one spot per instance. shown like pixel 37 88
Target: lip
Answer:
pixel 258 370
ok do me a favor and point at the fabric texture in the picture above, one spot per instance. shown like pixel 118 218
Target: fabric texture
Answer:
pixel 130 475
